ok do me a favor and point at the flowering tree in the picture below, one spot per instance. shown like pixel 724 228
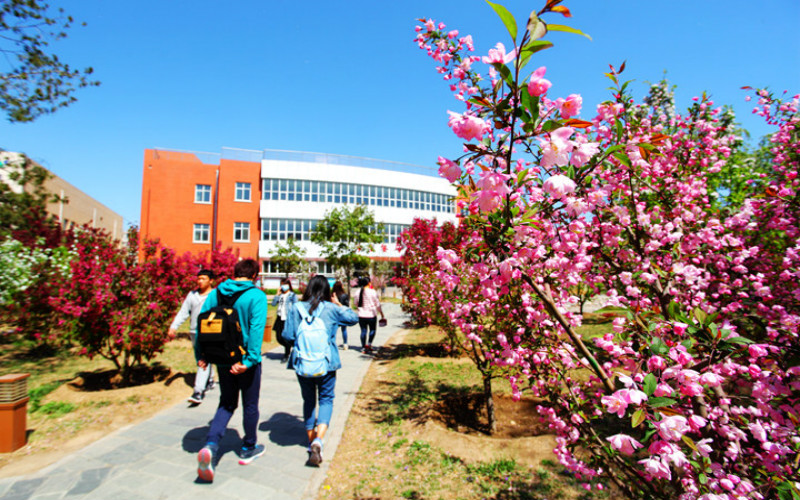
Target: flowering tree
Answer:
pixel 120 300
pixel 693 393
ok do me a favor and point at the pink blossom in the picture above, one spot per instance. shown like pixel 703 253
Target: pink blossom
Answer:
pixel 710 379
pixel 492 189
pixel 557 147
pixel 498 55
pixel 449 169
pixel 537 84
pixel 663 390
pixel 558 186
pixel 615 404
pixel 679 328
pixel 467 127
pixel 656 468
pixel 570 106
pixel 624 443
pixel 672 427
pixel 757 351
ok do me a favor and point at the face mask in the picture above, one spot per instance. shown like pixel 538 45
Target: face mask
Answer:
pixel 285 287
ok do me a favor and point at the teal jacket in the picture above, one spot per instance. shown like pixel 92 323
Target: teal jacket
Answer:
pixel 252 310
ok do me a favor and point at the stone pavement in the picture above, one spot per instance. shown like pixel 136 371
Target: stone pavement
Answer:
pixel 156 459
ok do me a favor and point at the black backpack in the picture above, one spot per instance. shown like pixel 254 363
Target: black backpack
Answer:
pixel 219 334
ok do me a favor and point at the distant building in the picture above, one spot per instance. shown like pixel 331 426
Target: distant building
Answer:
pixel 254 200
pixel 75 207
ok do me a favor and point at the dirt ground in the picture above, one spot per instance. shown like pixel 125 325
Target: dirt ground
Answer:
pixel 99 411
pixel 370 456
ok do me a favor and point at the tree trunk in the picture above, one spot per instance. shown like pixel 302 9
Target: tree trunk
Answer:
pixel 487 393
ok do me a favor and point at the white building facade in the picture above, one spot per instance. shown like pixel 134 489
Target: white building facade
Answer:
pixel 297 189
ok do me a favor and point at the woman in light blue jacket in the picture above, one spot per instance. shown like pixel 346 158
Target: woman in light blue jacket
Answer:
pixel 318 301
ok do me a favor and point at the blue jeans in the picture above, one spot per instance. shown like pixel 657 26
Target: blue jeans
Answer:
pixel 230 385
pixel 344 335
pixel 309 388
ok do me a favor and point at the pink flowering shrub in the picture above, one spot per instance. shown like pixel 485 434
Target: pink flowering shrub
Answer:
pixel 120 300
pixel 694 393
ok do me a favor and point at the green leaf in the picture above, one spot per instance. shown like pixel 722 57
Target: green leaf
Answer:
pixel 507 18
pixel 623 158
pixel 650 384
pixel 738 340
pixel 658 402
pixel 686 439
pixel 550 125
pixel 638 418
pixel 531 49
pixel 566 29
pixel 702 478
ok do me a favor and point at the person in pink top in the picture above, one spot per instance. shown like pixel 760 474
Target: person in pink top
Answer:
pixel 368 309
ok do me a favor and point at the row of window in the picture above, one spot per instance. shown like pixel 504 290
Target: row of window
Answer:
pixel 202 192
pixel 360 194
pixel 325 268
pixel 282 230
pixel 301 229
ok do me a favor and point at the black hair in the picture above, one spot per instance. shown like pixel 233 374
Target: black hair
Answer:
pixel 288 281
pixel 338 288
pixel 317 290
pixel 206 272
pixel 362 282
pixel 247 268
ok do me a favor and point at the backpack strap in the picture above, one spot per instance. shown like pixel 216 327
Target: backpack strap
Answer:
pixel 224 300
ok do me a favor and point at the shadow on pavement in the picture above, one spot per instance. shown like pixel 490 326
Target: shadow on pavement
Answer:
pixel 285 430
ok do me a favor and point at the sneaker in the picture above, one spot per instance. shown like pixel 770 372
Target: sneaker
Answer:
pixel 316 453
pixel 366 348
pixel 210 384
pixel 247 455
pixel 205 462
pixel 343 347
pixel 197 398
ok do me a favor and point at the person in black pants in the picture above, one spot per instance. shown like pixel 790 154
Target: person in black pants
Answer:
pixel 285 299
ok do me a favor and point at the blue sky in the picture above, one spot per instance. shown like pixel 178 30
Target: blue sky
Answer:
pixel 347 78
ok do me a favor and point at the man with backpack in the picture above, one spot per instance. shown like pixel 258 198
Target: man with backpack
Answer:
pixel 311 327
pixel 237 302
pixel 203 381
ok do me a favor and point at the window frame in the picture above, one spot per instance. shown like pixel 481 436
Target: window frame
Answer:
pixel 195 230
pixel 245 227
pixel 204 192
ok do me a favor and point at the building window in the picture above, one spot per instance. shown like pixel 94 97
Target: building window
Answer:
pixel 342 192
pixel 202 193
pixel 202 233
pixel 242 191
pixel 241 232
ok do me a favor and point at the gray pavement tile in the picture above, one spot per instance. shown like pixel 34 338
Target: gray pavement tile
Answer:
pixel 23 489
pixel 5 484
pixel 163 469
pixel 89 481
pixel 115 493
pixel 53 495
pixel 126 453
pixel 245 488
pixel 57 483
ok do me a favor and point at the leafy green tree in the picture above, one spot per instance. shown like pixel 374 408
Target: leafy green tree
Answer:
pixel 22 194
pixel 345 235
pixel 34 80
pixel 289 258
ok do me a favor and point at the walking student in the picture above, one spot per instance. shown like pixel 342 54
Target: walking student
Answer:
pixel 243 377
pixel 344 299
pixel 317 304
pixel 203 380
pixel 285 300
pixel 369 306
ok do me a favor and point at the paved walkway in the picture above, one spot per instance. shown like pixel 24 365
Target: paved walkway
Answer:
pixel 156 459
